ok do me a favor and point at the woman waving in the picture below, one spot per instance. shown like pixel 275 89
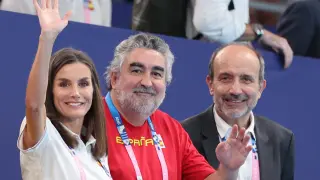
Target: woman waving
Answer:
pixel 63 134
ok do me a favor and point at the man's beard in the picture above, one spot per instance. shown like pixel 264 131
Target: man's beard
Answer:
pixel 145 103
pixel 235 113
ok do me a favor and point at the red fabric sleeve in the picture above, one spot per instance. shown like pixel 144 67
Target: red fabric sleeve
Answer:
pixel 194 165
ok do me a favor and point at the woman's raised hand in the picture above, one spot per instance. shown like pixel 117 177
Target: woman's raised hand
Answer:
pixel 49 16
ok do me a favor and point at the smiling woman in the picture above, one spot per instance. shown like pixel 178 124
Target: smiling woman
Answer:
pixel 73 96
pixel 63 135
pixel 73 91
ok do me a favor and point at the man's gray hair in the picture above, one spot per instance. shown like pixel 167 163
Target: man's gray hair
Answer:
pixel 141 40
pixel 259 56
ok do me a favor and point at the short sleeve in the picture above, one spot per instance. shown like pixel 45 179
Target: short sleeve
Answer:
pixel 38 148
pixel 213 19
pixel 194 165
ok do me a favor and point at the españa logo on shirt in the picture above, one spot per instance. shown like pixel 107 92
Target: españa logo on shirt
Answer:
pixel 136 142
pixel 141 142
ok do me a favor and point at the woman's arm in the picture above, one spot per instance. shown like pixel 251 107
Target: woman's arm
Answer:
pixel 51 26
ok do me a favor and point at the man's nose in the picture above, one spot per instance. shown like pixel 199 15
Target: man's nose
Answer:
pixel 146 80
pixel 235 88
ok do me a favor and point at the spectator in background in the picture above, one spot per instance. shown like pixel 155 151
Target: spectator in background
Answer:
pixel 160 16
pixel 264 15
pixel 225 21
pixel 97 12
pixel 300 25
pixel 222 21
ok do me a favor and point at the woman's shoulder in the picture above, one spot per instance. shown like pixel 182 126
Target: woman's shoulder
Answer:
pixel 50 134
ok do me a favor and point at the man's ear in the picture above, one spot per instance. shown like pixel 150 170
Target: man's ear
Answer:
pixel 209 82
pixel 114 79
pixel 263 85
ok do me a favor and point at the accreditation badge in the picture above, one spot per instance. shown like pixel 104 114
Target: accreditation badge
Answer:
pixel 160 141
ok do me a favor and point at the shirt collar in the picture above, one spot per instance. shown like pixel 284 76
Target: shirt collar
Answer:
pixel 223 127
pixel 91 140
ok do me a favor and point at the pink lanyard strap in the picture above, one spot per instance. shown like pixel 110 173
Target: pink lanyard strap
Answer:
pixel 255 161
pixel 76 159
pixel 81 170
pixel 162 162
pixel 255 167
pixel 125 139
pixel 134 161
pixel 86 11
pixel 136 166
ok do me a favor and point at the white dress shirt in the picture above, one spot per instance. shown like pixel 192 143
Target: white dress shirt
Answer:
pixel 213 19
pixel 245 171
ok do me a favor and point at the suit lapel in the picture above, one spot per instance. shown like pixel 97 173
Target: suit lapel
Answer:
pixel 265 151
pixel 211 137
pixel 211 140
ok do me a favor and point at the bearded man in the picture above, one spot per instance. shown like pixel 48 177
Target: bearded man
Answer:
pixel 144 142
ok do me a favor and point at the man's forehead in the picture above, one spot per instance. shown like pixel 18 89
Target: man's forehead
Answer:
pixel 145 58
pixel 237 56
pixel 236 73
pixel 236 51
pixel 237 69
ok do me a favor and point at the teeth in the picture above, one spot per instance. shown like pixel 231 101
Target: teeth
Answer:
pixel 74 104
pixel 235 101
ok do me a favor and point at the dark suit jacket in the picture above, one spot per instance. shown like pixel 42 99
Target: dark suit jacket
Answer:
pixel 300 25
pixel 166 17
pixel 275 144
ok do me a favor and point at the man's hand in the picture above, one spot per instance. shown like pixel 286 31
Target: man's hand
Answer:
pixel 278 44
pixel 232 154
pixel 234 151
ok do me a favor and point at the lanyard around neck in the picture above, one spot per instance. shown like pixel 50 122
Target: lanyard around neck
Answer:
pixel 125 139
pixel 255 162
